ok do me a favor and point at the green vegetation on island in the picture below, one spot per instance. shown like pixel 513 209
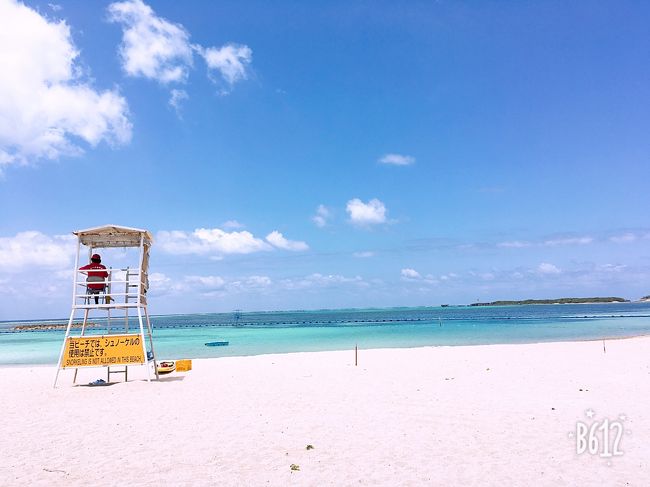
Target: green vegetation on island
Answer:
pixel 555 301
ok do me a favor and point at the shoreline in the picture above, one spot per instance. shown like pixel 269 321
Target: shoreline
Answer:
pixel 610 338
pixel 164 357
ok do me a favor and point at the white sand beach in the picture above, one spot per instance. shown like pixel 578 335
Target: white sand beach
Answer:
pixel 478 415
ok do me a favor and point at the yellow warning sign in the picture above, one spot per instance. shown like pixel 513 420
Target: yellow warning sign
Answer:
pixel 96 351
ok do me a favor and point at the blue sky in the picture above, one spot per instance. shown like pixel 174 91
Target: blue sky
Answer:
pixel 297 155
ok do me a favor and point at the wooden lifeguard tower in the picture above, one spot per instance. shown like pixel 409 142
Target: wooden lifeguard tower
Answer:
pixel 125 290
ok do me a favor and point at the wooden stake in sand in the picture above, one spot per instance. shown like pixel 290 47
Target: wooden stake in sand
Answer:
pixel 355 354
pixel 604 349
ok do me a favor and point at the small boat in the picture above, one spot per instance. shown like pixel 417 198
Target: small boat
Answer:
pixel 166 366
pixel 217 344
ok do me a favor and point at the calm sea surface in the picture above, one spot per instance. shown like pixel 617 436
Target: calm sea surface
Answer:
pixel 184 336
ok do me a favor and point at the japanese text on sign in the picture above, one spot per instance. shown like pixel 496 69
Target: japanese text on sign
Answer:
pixel 96 351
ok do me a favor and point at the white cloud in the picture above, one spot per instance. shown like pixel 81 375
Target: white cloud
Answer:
pixel 318 280
pixel 322 216
pixel 155 48
pixel 259 281
pixel 33 251
pixel 161 284
pixel 230 243
pixel 568 241
pixel 370 213
pixel 448 276
pixel 548 269
pixel 233 225
pixel 332 279
pixel 409 273
pixel 207 282
pixel 177 98
pixel 158 278
pixel 230 61
pixel 210 241
pixel 220 286
pixel 250 283
pixel 46 106
pixel 152 47
pixel 396 160
pixel 624 238
pixel 611 267
pixel 217 242
pixel 276 239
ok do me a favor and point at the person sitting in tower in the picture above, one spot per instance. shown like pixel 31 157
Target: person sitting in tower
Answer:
pixel 96 280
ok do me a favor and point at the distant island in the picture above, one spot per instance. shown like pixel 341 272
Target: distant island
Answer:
pixel 555 301
pixel 645 298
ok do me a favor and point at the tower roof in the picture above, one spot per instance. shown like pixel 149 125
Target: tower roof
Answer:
pixel 113 236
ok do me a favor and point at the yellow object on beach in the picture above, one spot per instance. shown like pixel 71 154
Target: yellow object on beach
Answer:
pixel 166 367
pixel 184 365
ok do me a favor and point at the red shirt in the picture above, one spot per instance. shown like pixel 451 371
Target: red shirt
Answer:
pixel 102 274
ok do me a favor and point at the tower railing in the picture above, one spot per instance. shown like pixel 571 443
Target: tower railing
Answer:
pixel 134 294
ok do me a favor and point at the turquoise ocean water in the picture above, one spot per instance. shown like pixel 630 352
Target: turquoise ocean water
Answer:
pixel 184 336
